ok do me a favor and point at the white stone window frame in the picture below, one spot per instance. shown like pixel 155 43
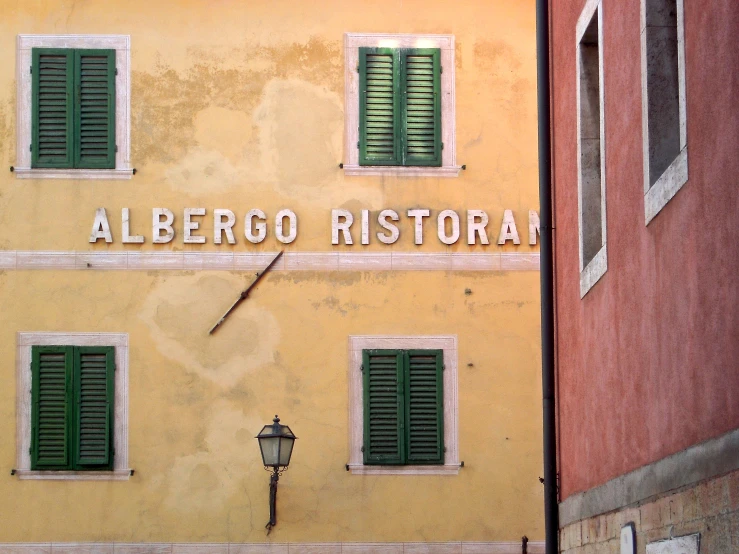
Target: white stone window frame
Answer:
pixel 675 176
pixel 596 268
pixel 445 43
pixel 122 46
pixel 25 342
pixel 446 343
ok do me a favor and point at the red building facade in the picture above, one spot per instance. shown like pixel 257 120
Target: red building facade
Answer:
pixel 645 166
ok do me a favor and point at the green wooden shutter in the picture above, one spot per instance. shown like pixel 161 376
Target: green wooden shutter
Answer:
pixel 52 83
pixel 379 107
pixel 95 109
pixel 94 367
pixel 424 406
pixel 421 106
pixel 383 407
pixel 51 390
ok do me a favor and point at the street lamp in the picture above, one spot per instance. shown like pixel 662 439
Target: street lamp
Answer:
pixel 276 443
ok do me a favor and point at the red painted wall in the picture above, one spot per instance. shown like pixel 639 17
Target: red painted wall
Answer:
pixel 648 361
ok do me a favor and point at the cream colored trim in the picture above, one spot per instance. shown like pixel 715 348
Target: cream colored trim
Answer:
pixel 110 174
pixel 456 547
pixel 594 271
pixel 290 261
pixel 396 171
pixel 586 16
pixel 676 174
pixel 666 187
pixel 447 343
pixel 115 475
pixel 596 268
pixel 352 43
pixel 24 341
pixel 122 45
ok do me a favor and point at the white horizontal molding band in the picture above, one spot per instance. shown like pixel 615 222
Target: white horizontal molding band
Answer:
pixel 534 547
pixel 290 261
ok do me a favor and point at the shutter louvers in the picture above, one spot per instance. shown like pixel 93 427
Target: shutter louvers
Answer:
pixel 94 390
pixel 379 107
pixel 425 407
pixel 52 122
pixel 51 368
pixel 383 407
pixel 421 126
pixel 95 109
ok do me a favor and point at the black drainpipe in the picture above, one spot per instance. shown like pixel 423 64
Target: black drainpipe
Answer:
pixel 551 515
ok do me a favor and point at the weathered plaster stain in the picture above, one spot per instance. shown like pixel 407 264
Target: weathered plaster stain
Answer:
pixel 208 479
pixel 179 321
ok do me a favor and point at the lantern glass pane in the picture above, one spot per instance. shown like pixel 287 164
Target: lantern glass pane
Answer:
pixel 270 450
pixel 286 450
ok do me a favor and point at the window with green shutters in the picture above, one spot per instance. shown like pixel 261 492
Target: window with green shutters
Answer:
pixel 400 107
pixel 72 407
pixel 73 108
pixel 403 407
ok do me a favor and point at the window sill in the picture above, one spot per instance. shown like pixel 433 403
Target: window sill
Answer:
pixel 115 475
pixel 29 173
pixel 399 171
pixel 446 469
pixel 593 271
pixel 667 186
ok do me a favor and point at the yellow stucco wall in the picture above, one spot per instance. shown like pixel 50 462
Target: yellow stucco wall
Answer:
pixel 240 105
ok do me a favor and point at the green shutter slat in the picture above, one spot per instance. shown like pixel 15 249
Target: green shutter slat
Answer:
pixel 51 368
pixel 94 406
pixel 424 406
pixel 421 106
pixel 383 407
pixel 94 120
pixel 379 107
pixel 52 84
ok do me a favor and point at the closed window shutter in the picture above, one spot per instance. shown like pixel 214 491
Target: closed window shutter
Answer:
pixel 51 389
pixel 421 106
pixel 383 407
pixel 425 406
pixel 379 107
pixel 52 112
pixel 94 368
pixel 95 109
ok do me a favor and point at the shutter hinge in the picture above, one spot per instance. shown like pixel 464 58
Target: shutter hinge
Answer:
pixel 30 70
pixel 443 367
pixel 116 148
pixel 357 68
pixel 442 146
pixel 441 69
pixel 361 367
pixel 363 449
pixel 357 145
pixel 30 147
pixel 116 71
pixel 445 450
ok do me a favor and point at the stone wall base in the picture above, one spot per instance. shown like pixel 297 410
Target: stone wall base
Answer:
pixel 710 508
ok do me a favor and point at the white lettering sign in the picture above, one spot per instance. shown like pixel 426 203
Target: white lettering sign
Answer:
pixel 191 226
pixel 157 225
pixel 100 227
pixel 387 230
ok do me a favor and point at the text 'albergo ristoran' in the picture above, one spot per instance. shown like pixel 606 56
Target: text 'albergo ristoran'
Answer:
pixel 256 224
